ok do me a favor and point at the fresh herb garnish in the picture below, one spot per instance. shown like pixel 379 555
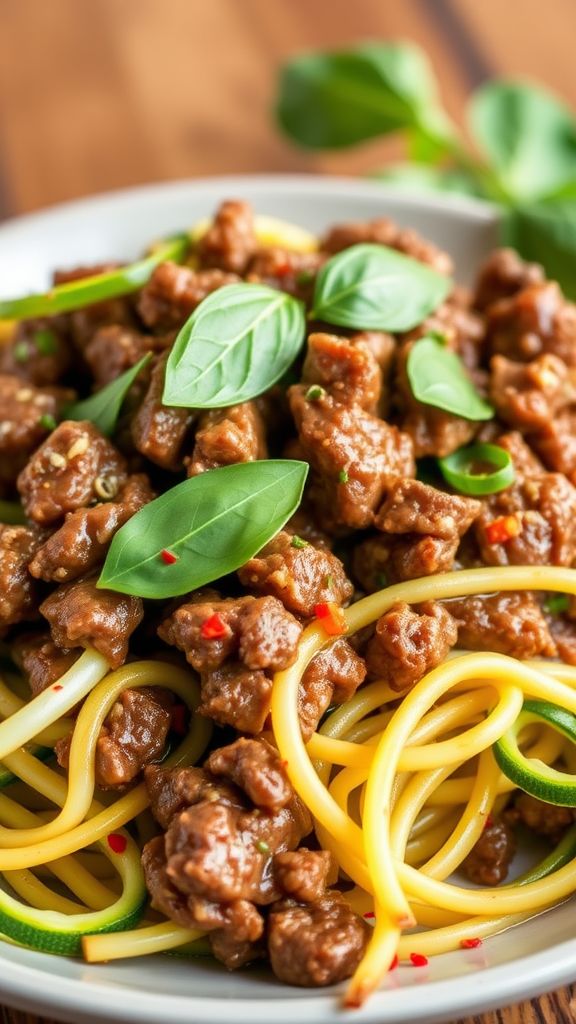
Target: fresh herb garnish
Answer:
pixel 11 512
pixel 556 604
pixel 45 342
pixel 460 469
pixel 20 352
pixel 238 342
pixel 372 287
pixel 213 523
pixel 47 421
pixel 103 408
pixel 314 393
pixel 437 377
pixel 298 542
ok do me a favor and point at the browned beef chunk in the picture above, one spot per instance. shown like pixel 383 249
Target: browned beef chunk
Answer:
pixel 409 642
pixel 556 443
pixel 301 577
pixel 304 526
pixel 43 662
pixel 82 541
pixel 230 241
pixel 172 789
pixel 371 563
pixel 18 591
pixel 64 473
pixel 382 231
pixel 415 507
pixel 286 270
pixel 234 952
pixel 227 436
pixel 173 292
pixel 302 874
pixel 38 351
pixel 84 322
pixel 383 348
pixel 489 859
pixel 530 395
pixel 114 349
pixel 502 275
pixel 257 630
pixel 532 322
pixel 543 521
pixel 355 457
pixel 543 819
pixel 26 414
pixel 333 676
pixel 510 623
pixel 237 696
pixel 255 766
pixel 133 735
pixel 433 431
pixel 378 561
pixel 159 431
pixel 526 463
pixel 563 633
pixel 462 329
pixel 346 367
pixel 318 943
pixel 82 616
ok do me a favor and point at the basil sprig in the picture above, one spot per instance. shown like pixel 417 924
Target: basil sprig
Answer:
pixel 372 287
pixel 208 526
pixel 103 408
pixel 437 377
pixel 238 342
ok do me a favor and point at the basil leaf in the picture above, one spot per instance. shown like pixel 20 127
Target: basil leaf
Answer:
pixel 528 135
pixel 238 342
pixel 211 523
pixel 546 233
pixel 327 100
pixel 421 178
pixel 372 287
pixel 437 377
pixel 103 408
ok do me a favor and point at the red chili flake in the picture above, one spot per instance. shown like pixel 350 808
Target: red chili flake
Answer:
pixel 117 843
pixel 178 720
pixel 283 269
pixel 471 943
pixel 58 686
pixel 502 529
pixel 369 915
pixel 168 557
pixel 418 959
pixel 489 822
pixel 213 628
pixel 394 963
pixel 332 618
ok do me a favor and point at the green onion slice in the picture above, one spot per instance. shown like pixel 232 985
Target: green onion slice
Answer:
pixel 65 297
pixel 458 469
pixel 531 774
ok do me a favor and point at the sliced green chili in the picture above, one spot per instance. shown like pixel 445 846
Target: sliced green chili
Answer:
pixel 459 470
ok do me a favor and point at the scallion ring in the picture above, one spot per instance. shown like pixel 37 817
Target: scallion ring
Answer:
pixel 99 287
pixel 530 774
pixel 458 469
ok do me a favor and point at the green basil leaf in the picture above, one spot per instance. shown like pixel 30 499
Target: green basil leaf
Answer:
pixel 238 342
pixel 528 135
pixel 546 233
pixel 211 524
pixel 372 287
pixel 103 407
pixel 421 178
pixel 328 100
pixel 437 377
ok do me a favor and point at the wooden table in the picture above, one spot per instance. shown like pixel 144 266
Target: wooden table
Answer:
pixel 101 94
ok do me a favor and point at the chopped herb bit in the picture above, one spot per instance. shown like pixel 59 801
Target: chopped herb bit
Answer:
pixel 45 341
pixel 315 393
pixel 262 847
pixel 556 604
pixel 21 352
pixel 329 582
pixel 47 421
pixel 304 276
pixel 382 580
pixel 298 542
pixel 343 476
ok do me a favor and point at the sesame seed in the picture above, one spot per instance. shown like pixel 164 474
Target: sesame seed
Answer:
pixel 79 447
pixel 57 460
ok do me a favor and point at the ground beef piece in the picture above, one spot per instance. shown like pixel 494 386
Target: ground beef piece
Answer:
pixel 409 642
pixel 18 591
pixel 159 431
pixel 302 874
pixel 228 436
pixel 413 557
pixel 510 623
pixel 563 633
pixel 532 322
pixel 303 525
pixel 237 696
pixel 257 630
pixel 25 416
pixel 414 507
pixel 63 473
pixel 80 615
pixel 489 859
pixel 230 242
pixel 541 818
pixel 382 231
pixel 301 577
pixel 320 943
pixel 172 789
pixel 82 541
pixel 85 322
pixel 530 395
pixel 42 661
pixel 433 431
pixel 462 329
pixel 502 275
pixel 286 270
pixel 38 351
pixel 543 515
pixel 333 676
pixel 114 349
pixel 173 292
pixel 133 735
pixel 255 766
pixel 233 952
pixel 346 368
pixel 383 347
pixel 556 443
pixel 355 457
pixel 370 563
pixel 526 463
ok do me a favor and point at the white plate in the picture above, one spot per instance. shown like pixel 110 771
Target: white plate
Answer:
pixel 527 960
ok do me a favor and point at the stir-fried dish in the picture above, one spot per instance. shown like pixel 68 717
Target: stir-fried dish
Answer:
pixel 287 605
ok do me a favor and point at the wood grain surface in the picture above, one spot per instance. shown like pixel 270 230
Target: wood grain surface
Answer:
pixel 102 94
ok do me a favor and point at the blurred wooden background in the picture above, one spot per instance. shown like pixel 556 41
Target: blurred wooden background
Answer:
pixel 102 94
